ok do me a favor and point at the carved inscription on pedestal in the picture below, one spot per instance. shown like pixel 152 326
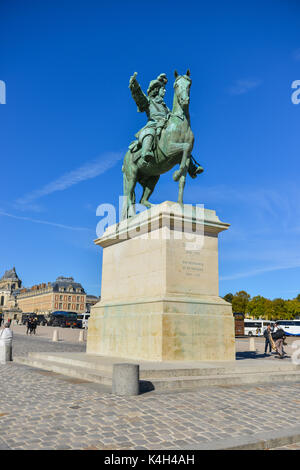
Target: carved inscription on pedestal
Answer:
pixel 191 263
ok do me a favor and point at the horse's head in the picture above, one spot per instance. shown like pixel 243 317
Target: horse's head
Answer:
pixel 182 87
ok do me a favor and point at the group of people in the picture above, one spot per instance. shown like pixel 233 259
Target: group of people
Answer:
pixel 31 324
pixel 274 336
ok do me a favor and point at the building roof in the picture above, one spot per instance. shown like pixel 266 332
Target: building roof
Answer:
pixel 66 282
pixel 61 282
pixel 10 275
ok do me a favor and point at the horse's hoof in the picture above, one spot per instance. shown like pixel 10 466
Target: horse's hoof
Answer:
pixel 146 204
pixel 176 175
pixel 199 170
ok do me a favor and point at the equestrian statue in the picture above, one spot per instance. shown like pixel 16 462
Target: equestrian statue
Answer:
pixel 165 141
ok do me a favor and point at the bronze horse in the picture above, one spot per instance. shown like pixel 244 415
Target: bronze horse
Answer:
pixel 173 147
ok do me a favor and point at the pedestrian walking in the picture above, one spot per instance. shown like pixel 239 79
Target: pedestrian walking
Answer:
pixel 279 336
pixel 267 335
pixel 28 324
pixel 34 325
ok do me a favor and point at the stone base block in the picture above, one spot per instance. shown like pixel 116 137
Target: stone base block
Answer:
pixel 166 330
pixel 160 296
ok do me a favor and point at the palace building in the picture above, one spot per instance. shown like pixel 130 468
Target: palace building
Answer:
pixel 10 283
pixel 63 294
pixel 90 301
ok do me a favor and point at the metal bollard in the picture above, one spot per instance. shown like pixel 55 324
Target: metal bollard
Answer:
pixel 5 352
pixel 125 380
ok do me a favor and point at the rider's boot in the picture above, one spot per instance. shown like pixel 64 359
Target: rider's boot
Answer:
pixel 147 153
pixel 194 170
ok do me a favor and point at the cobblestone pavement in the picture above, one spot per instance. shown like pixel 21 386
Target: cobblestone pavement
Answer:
pixel 65 334
pixel 295 446
pixel 43 410
pixel 22 345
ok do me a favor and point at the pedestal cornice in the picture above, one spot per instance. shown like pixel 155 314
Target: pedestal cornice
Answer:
pixel 186 218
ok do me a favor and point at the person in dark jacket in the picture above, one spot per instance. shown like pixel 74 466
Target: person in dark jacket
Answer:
pixel 267 334
pixel 28 324
pixel 34 325
pixel 279 336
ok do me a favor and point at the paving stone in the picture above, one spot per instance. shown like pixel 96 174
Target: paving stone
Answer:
pixel 38 417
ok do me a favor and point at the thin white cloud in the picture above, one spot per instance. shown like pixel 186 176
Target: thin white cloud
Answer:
pixel 88 171
pixel 258 271
pixel 240 87
pixel 45 222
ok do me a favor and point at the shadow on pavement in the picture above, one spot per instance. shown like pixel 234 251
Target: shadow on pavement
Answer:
pixel 250 355
pixel 146 386
pixel 254 355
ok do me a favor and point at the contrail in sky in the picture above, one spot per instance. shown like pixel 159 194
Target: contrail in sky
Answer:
pixel 45 222
pixel 88 171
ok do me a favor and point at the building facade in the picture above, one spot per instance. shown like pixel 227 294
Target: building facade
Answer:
pixel 90 301
pixel 63 294
pixel 10 283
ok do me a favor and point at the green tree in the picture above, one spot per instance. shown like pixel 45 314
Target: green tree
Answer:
pixel 279 309
pixel 228 297
pixel 293 308
pixel 260 307
pixel 240 302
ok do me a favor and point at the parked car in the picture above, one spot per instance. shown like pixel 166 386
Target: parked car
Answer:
pixel 41 319
pixel 64 320
pixel 25 317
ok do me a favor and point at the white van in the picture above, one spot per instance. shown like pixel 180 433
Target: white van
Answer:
pixel 256 327
pixel 84 318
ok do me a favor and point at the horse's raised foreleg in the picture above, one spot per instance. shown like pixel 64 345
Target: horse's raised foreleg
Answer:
pixel 185 154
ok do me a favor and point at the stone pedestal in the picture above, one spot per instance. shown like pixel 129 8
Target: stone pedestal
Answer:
pixel 159 296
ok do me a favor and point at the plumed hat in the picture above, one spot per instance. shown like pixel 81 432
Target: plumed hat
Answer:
pixel 163 78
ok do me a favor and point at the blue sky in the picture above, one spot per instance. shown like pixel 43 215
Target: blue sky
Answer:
pixel 69 118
